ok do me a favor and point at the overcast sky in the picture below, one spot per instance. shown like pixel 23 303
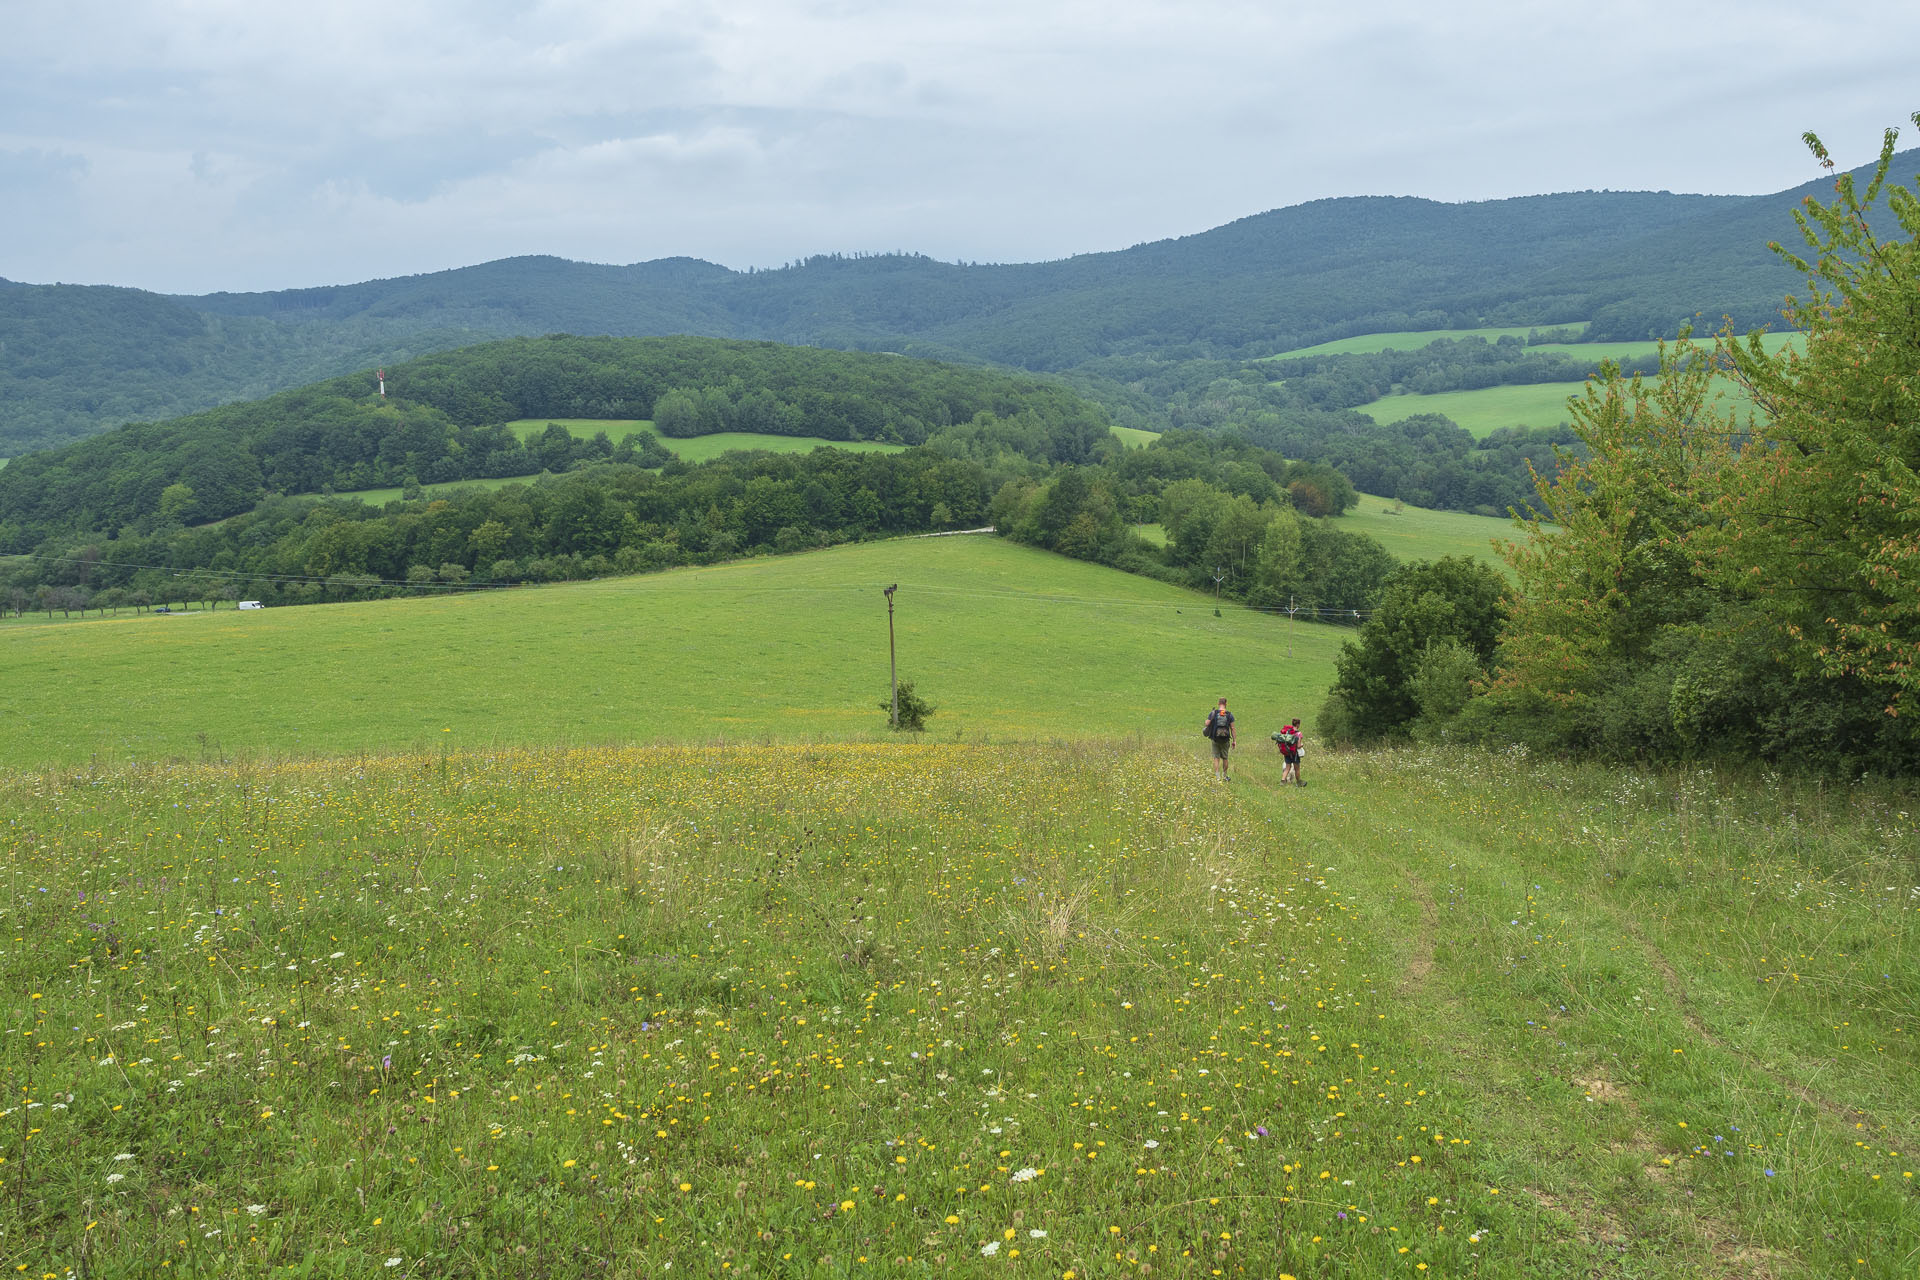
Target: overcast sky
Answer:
pixel 209 144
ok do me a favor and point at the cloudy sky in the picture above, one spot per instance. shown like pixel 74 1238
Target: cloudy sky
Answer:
pixel 195 145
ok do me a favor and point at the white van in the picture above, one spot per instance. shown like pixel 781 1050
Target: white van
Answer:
pixel 251 604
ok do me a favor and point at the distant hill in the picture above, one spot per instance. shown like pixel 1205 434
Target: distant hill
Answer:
pixel 76 359
pixel 443 421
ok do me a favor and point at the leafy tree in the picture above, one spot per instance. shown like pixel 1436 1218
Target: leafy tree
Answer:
pixel 914 709
pixel 1816 528
pixel 1453 600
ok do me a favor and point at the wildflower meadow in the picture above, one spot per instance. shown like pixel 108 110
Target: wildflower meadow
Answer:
pixel 1047 1009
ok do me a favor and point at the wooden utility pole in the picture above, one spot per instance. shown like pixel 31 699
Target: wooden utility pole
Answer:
pixel 893 665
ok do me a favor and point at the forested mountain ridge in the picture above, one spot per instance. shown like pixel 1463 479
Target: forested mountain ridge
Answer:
pixel 75 359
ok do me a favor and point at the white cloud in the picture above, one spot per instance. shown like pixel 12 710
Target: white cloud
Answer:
pixel 212 144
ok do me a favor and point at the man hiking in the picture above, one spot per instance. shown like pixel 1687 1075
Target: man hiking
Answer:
pixel 1219 731
pixel 1288 740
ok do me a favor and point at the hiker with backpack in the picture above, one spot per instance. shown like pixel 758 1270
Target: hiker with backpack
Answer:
pixel 1288 740
pixel 1219 731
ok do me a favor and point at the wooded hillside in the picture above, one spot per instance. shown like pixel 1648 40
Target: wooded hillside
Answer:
pixel 1635 264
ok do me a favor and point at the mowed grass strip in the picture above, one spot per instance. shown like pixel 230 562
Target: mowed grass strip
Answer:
pixel 1679 1004
pixel 1003 639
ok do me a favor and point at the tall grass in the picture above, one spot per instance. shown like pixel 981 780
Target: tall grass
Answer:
pixel 1060 1008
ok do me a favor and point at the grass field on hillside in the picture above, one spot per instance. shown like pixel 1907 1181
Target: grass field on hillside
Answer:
pixel 1623 351
pixel 616 429
pixel 1415 533
pixel 695 448
pixel 380 497
pixel 1135 437
pixel 1064 1010
pixel 1482 412
pixel 1004 639
pixel 1537 404
pixel 1370 343
pixel 1409 533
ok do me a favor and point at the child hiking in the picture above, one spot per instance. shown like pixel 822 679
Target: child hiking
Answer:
pixel 1288 740
pixel 1219 731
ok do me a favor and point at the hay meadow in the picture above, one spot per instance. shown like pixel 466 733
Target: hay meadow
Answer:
pixel 741 985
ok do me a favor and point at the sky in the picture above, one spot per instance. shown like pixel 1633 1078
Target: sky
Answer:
pixel 190 146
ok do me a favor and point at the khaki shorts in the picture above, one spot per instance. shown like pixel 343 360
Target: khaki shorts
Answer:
pixel 1221 746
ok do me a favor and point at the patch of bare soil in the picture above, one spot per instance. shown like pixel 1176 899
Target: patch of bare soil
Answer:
pixel 1421 965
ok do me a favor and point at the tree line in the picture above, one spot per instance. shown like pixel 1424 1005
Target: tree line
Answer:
pixel 1227 502
pixel 1713 584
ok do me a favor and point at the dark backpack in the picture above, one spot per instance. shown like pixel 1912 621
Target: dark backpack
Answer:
pixel 1218 725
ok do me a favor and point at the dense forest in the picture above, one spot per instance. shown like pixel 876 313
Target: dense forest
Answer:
pixel 1712 584
pixel 1240 519
pixel 1633 264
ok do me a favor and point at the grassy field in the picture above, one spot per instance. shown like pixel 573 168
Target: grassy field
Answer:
pixel 1542 404
pixel 616 429
pixel 1002 638
pixel 1409 533
pixel 1369 343
pixel 1415 533
pixel 695 448
pixel 1135 437
pixel 380 497
pixel 1539 404
pixel 1624 351
pixel 1064 1009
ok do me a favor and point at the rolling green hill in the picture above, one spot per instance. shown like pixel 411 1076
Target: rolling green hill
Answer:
pixel 1633 263
pixel 1006 641
pixel 441 421
pixel 1416 533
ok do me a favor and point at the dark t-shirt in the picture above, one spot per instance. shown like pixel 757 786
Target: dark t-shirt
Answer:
pixel 1222 725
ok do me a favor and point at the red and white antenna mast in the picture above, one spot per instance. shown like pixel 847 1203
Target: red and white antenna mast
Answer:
pixel 382 375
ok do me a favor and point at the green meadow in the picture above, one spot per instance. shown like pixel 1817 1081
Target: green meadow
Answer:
pixel 1004 639
pixel 1408 533
pixel 1370 343
pixel 1624 351
pixel 603 930
pixel 393 493
pixel 1540 404
pixel 688 448
pixel 695 448
pixel 1416 533
pixel 1536 404
pixel 1135 437
pixel 1063 1007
